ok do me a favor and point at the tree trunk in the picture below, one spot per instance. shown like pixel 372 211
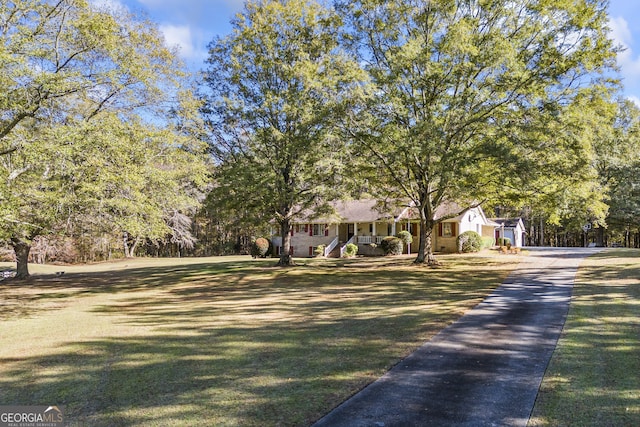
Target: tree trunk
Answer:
pixel 285 251
pixel 422 246
pixel 129 251
pixel 21 249
pixel 425 249
pixel 125 244
pixel 132 253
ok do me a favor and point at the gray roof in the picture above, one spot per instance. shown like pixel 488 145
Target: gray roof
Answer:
pixel 370 210
pixel 366 210
pixel 508 222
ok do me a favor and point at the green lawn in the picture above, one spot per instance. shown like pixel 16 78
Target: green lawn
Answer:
pixel 594 376
pixel 223 341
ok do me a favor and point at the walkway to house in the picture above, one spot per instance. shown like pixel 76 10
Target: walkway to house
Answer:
pixel 485 369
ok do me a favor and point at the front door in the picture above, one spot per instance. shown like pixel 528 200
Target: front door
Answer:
pixel 350 231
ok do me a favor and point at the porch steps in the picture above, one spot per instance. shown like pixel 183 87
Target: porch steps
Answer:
pixel 335 253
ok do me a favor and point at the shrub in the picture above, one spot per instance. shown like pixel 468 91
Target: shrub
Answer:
pixel 391 245
pixel 469 241
pixel 504 241
pixel 351 250
pixel 488 242
pixel 406 237
pixel 260 247
pixel 319 251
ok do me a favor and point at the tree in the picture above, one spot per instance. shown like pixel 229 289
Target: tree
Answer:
pixel 455 81
pixel 617 162
pixel 277 85
pixel 78 82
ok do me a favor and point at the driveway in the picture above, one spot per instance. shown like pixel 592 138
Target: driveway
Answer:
pixel 485 369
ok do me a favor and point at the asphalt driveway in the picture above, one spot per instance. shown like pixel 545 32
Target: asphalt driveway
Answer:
pixel 485 369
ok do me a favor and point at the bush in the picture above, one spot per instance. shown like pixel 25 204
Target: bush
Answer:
pixel 260 247
pixel 406 237
pixel 469 241
pixel 504 241
pixel 351 250
pixel 488 242
pixel 391 245
pixel 319 251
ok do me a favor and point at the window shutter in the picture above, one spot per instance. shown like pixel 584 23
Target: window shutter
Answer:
pixel 453 229
pixel 326 230
pixel 310 229
pixel 440 230
pixel 292 227
pixel 306 228
pixel 310 250
pixel 291 250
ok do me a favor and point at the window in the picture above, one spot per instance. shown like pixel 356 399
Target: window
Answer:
pixel 447 229
pixel 318 229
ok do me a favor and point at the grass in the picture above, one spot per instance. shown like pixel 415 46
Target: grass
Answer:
pixel 593 378
pixel 222 341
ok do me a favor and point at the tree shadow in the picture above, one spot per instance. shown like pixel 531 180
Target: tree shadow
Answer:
pixel 236 344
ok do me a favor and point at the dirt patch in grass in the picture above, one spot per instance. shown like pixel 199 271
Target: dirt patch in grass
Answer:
pixel 224 341
pixel 594 376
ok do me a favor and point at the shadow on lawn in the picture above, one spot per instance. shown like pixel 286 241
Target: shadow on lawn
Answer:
pixel 594 375
pixel 24 297
pixel 238 344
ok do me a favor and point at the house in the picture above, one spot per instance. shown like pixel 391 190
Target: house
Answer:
pixel 365 223
pixel 511 228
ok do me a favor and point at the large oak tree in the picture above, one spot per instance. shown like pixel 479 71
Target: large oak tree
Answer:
pixel 473 98
pixel 277 85
pixel 89 126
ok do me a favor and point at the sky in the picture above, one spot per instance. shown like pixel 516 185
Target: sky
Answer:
pixel 192 24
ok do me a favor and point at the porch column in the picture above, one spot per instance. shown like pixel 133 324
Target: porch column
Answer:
pixel 355 228
pixel 373 230
pixel 337 230
pixel 393 228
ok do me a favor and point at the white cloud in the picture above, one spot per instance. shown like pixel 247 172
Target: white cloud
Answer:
pixel 182 37
pixel 621 34
pixel 113 5
pixel 635 100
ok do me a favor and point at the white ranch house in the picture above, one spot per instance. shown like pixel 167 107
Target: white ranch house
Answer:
pixel 362 223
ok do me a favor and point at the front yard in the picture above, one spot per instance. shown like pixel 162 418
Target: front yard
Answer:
pixel 223 341
pixel 594 376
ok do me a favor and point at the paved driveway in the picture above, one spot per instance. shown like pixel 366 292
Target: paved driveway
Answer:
pixel 485 369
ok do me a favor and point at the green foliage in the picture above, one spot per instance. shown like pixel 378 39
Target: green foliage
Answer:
pixel 406 237
pixel 279 84
pixel 488 242
pixel 469 241
pixel 618 162
pixel 260 247
pixel 467 102
pixel 351 250
pixel 98 137
pixel 504 241
pixel 319 251
pixel 391 245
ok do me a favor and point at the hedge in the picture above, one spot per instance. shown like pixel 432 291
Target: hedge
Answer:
pixel 469 241
pixel 391 245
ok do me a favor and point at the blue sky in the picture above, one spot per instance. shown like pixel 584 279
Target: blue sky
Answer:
pixel 192 24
